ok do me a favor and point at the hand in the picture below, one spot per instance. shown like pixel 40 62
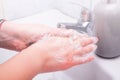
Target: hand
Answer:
pixel 58 53
pixel 30 33
pixel 9 42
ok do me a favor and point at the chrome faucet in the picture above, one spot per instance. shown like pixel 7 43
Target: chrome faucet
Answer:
pixel 83 23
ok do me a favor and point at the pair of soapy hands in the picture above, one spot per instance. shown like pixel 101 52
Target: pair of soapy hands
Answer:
pixel 59 49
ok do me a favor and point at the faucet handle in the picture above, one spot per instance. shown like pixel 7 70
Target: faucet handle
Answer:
pixel 75 26
pixel 85 16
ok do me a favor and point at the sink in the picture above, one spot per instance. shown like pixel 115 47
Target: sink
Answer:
pixel 89 71
pixel 99 69
pixel 50 17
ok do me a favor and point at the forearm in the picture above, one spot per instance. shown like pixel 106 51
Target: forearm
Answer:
pixel 19 36
pixel 8 41
pixel 21 67
pixel 25 30
pixel 28 33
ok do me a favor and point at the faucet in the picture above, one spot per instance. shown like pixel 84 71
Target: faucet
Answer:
pixel 83 23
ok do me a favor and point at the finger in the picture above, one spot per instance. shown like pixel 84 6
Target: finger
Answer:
pixel 87 41
pixel 77 35
pixel 83 35
pixel 81 60
pixel 71 33
pixel 89 48
pixel 85 50
pixel 95 39
pixel 20 45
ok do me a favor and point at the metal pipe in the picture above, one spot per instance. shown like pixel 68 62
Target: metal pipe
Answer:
pixel 112 1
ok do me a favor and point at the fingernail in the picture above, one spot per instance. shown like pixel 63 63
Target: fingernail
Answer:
pixel 95 40
pixel 94 47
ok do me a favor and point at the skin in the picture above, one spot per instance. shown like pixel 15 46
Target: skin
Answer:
pixel 27 34
pixel 46 51
pixel 9 42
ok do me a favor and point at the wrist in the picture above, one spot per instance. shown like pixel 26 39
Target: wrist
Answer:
pixel 6 27
pixel 22 64
pixel 36 59
pixel 7 39
pixel 1 22
pixel 11 43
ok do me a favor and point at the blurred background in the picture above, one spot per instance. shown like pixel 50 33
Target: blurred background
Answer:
pixel 13 9
pixel 52 12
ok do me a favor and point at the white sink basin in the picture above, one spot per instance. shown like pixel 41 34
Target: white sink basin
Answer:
pixel 50 18
pixel 89 71
pixel 99 69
